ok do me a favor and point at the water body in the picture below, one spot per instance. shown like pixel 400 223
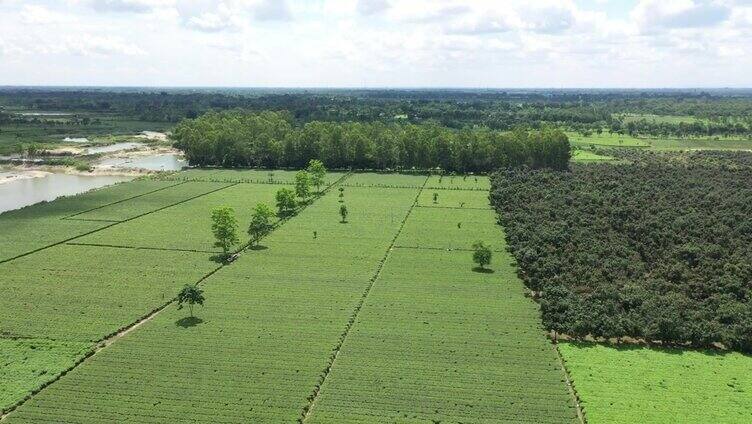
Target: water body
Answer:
pixel 28 191
pixel 114 148
pixel 168 162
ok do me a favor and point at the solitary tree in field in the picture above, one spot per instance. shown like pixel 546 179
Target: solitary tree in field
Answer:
pixel 481 254
pixel 225 228
pixel 190 295
pixel 317 170
pixel 302 185
pixel 341 194
pixel 285 202
pixel 436 198
pixel 261 222
pixel 343 212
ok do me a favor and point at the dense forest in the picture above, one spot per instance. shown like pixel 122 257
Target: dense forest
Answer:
pixel 659 249
pixel 719 113
pixel 273 139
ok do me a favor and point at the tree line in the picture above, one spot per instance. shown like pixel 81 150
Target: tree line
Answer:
pixel 658 249
pixel 272 139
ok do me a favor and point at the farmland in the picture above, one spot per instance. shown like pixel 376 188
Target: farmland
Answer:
pixel 344 286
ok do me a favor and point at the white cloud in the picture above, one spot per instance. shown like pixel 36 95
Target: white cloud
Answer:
pixel 271 10
pixel 667 14
pixel 40 15
pixel 131 6
pixel 372 7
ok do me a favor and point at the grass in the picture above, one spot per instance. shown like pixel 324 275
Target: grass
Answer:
pixel 660 119
pixel 639 384
pixel 586 156
pixel 459 182
pixel 259 176
pixel 450 229
pixel 454 199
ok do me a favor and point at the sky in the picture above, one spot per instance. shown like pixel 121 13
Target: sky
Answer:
pixel 377 43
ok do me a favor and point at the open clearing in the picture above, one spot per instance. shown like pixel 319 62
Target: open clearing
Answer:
pixel 637 384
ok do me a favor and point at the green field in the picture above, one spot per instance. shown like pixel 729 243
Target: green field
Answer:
pixel 637 384
pixel 380 319
pixel 275 320
pixel 607 139
pixel 586 156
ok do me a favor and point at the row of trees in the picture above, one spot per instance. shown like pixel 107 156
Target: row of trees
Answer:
pixel 271 139
pixel 660 249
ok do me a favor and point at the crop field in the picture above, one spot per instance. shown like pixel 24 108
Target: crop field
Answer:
pixel 257 176
pixel 432 344
pixel 285 328
pixel 586 156
pixel 459 182
pixel 471 199
pixel 319 281
pixel 37 226
pixel 607 139
pixel 159 229
pixel 450 229
pixel 637 384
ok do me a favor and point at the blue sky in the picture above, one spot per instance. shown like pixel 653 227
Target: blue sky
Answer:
pixel 377 43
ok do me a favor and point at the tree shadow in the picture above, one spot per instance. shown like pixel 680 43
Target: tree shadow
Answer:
pixel 188 322
pixel 483 270
pixel 343 222
pixel 219 258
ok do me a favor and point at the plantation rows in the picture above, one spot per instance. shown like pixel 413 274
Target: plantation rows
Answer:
pixel 422 335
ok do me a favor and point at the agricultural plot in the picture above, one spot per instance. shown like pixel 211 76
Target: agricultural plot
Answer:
pixel 257 176
pixel 437 342
pixel 151 202
pixel 373 179
pixel 85 293
pixel 607 139
pixel 637 384
pixel 458 182
pixel 41 225
pixel 450 229
pixel 586 156
pixel 460 199
pixel 187 226
pixel 258 350
pixel 29 363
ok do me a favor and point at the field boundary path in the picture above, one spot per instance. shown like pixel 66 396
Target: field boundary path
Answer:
pixel 308 409
pixel 570 386
pixel 111 339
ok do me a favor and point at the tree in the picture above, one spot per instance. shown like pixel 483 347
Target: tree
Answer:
pixel 225 228
pixel 261 223
pixel 190 295
pixel 341 194
pixel 302 185
pixel 285 202
pixel 343 212
pixel 481 254
pixel 317 170
pixel 436 198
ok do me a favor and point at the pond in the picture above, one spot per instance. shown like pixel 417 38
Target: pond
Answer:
pixel 165 162
pixel 28 191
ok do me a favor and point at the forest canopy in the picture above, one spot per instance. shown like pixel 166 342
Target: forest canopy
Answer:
pixel 659 249
pixel 240 138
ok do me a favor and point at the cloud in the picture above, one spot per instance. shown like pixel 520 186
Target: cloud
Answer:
pixel 130 6
pixel 40 15
pixel 272 10
pixel 671 14
pixel 372 7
